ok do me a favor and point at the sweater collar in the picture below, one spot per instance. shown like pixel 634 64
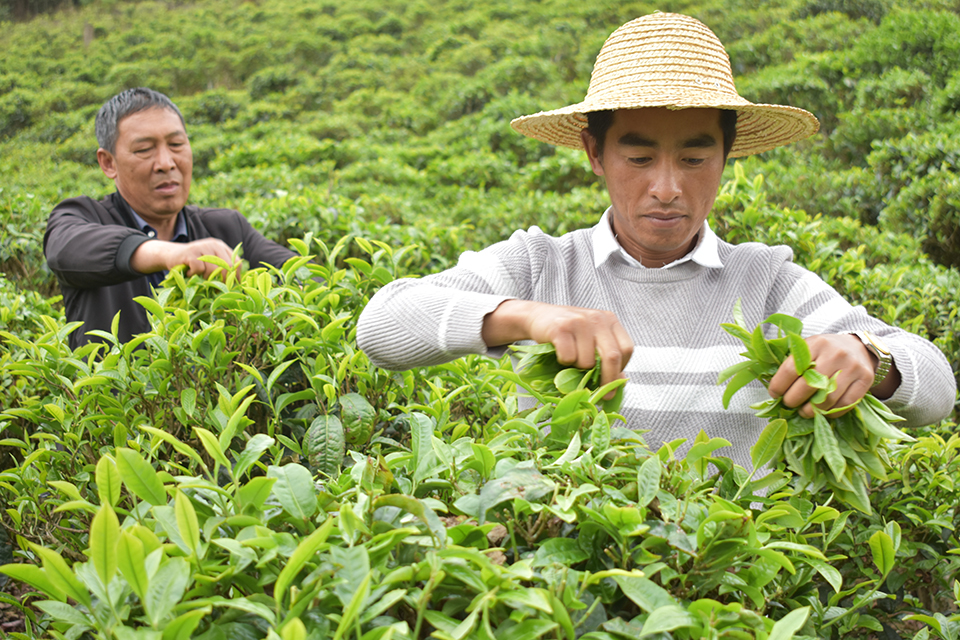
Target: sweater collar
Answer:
pixel 605 245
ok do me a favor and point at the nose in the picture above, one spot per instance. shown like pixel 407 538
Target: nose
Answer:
pixel 164 160
pixel 665 182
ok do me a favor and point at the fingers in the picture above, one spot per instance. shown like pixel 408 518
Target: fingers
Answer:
pixel 190 255
pixel 782 381
pixel 615 352
pixel 579 335
pixel 842 355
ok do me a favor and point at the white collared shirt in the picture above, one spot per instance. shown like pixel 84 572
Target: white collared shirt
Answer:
pixel 605 244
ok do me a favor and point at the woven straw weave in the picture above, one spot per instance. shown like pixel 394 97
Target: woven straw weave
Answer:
pixel 669 60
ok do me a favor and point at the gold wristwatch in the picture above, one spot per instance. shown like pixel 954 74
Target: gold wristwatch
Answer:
pixel 876 346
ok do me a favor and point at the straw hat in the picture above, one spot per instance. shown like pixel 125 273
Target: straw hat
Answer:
pixel 669 60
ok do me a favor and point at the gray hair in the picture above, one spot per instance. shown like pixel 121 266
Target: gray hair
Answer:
pixel 124 104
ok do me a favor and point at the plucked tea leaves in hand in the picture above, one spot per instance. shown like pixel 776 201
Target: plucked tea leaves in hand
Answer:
pixel 543 375
pixel 838 452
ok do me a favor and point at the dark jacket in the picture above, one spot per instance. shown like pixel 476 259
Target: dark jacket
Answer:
pixel 88 245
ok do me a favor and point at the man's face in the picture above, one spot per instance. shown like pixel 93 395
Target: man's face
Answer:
pixel 663 170
pixel 152 165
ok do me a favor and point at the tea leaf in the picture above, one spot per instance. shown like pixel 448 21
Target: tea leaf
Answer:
pixel 130 561
pixel 830 574
pixel 104 538
pixel 35 577
pixel 787 324
pixel 648 481
pixel 182 627
pixel 769 443
pixel 108 481
pixel 600 434
pixel 421 435
pixel 521 482
pixel 307 548
pixel 665 619
pixel 185 449
pixel 418 508
pixel 210 444
pixel 60 575
pixel 251 453
pixel 188 400
pixel 760 349
pixel 645 593
pixel 738 381
pixel 64 613
pixel 140 478
pixel 256 491
pixel 166 589
pixel 877 425
pixel 827 440
pixel 738 314
pixel 357 416
pixel 187 521
pixel 294 489
pixel 293 630
pixel 562 551
pixel 800 352
pixel 884 554
pixel 788 625
pixel 325 445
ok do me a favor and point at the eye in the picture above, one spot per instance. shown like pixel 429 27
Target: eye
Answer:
pixel 695 162
pixel 640 160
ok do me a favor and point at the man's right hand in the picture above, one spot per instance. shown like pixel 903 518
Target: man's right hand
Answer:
pixel 578 334
pixel 159 255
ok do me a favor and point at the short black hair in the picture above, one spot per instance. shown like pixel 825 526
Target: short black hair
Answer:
pixel 124 104
pixel 599 122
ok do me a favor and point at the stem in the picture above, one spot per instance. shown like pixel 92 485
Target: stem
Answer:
pixel 513 540
pixel 863 600
pixel 422 604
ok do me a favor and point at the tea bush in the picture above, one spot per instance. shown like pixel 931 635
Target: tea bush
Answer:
pixel 181 491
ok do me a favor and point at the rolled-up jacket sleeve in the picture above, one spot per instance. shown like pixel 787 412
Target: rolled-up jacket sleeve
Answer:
pixel 84 252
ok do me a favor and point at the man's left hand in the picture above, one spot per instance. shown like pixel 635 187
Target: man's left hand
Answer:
pixel 832 353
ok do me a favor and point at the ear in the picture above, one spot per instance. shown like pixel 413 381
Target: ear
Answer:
pixel 107 163
pixel 590 146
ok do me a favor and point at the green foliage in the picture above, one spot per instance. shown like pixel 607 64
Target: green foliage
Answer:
pixel 874 10
pixel 242 470
pixel 920 40
pixel 920 184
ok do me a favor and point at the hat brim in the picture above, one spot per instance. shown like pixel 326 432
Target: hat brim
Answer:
pixel 760 127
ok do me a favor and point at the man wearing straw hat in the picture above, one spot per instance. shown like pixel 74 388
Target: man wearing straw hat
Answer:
pixel 647 288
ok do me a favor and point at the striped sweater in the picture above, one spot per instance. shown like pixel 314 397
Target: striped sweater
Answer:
pixel 673 316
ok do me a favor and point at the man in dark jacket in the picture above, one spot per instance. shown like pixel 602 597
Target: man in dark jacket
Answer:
pixel 107 252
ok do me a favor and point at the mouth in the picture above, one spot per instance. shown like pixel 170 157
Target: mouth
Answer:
pixel 167 187
pixel 664 218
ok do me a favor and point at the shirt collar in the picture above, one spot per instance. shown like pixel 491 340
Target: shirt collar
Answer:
pixel 605 245
pixel 179 231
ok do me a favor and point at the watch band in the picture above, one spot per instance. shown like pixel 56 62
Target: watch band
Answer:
pixel 879 349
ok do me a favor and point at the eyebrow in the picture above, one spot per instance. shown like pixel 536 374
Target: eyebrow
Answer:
pixel 701 141
pixel 172 134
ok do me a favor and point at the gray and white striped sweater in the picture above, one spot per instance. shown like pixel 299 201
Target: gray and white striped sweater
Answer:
pixel 673 316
